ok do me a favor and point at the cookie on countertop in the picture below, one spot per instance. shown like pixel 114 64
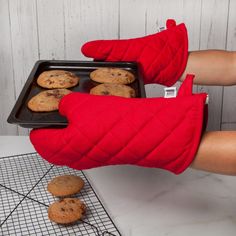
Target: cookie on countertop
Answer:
pixel 120 90
pixel 112 75
pixel 66 211
pixel 65 185
pixel 47 100
pixel 57 79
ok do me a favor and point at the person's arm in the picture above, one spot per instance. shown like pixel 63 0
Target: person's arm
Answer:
pixel 212 67
pixel 217 153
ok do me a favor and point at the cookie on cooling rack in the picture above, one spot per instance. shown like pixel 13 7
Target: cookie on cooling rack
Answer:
pixel 57 79
pixel 65 185
pixel 112 75
pixel 66 211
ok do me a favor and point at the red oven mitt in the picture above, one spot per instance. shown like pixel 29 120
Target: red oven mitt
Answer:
pixel 108 130
pixel 162 57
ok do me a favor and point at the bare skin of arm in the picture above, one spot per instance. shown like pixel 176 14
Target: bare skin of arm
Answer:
pixel 212 67
pixel 217 149
pixel 217 153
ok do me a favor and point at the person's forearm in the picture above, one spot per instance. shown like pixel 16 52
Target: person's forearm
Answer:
pixel 217 153
pixel 212 67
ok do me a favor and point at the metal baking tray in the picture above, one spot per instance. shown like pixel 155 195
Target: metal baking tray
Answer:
pixel 26 118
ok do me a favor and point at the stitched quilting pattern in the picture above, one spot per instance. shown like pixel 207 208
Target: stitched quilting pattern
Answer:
pixel 161 56
pixel 153 132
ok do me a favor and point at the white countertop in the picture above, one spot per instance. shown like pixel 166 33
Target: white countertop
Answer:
pixel 153 202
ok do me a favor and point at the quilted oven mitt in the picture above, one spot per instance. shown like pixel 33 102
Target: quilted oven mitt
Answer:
pixel 108 130
pixel 162 57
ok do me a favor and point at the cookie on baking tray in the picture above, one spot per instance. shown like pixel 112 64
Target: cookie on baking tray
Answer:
pixel 65 185
pixel 66 211
pixel 113 89
pixel 112 75
pixel 57 79
pixel 47 100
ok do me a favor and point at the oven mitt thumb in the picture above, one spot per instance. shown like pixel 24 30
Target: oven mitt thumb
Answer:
pixel 108 130
pixel 162 57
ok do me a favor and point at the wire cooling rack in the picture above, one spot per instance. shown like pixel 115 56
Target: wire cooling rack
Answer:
pixel 24 200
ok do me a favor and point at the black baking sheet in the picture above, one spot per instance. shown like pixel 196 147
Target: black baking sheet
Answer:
pixel 26 118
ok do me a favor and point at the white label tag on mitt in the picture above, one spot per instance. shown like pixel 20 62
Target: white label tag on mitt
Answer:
pixel 170 92
pixel 162 28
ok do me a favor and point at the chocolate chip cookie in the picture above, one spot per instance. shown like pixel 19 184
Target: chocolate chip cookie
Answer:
pixel 112 75
pixel 66 211
pixel 57 79
pixel 47 100
pixel 65 185
pixel 113 89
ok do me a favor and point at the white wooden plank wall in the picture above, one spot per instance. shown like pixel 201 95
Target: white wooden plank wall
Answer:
pixel 23 20
pixel 51 28
pixel 7 83
pixel 89 20
pixel 56 29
